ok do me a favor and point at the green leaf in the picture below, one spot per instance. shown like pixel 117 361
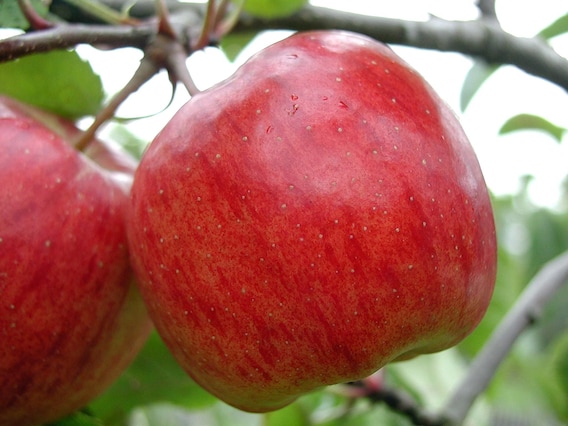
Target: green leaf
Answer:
pixel 479 72
pixel 532 122
pixel 270 9
pixel 154 376
pixel 58 81
pixel 558 27
pixel 11 15
pixel 233 43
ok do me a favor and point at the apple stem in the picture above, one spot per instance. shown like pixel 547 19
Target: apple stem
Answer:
pixel 524 313
pixel 145 71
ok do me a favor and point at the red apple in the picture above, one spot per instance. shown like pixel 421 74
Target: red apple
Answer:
pixel 71 318
pixel 316 216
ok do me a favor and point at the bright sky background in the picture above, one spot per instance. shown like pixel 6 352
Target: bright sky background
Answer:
pixel 509 92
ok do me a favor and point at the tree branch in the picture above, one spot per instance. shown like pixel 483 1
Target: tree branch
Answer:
pixel 68 36
pixel 480 38
pixel 526 311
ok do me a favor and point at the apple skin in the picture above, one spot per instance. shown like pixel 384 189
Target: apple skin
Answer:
pixel 71 317
pixel 316 216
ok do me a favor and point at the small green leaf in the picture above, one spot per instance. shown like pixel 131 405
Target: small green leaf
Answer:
pixel 233 43
pixel 532 122
pixel 558 27
pixel 270 9
pixel 58 81
pixel 11 15
pixel 479 72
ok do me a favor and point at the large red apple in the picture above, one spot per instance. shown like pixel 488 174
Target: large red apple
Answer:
pixel 71 318
pixel 317 215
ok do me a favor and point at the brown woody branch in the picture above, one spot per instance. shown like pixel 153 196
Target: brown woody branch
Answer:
pixel 479 38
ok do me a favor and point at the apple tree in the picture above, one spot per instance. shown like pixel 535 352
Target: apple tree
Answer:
pixel 107 165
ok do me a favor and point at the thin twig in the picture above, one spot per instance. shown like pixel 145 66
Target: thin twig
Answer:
pixel 526 311
pixel 207 27
pixel 37 22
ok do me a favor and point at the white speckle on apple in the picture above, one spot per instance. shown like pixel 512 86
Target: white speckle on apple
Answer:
pixel 283 206
pixel 397 230
pixel 12 307
pixel 245 138
pixel 428 112
pixel 387 71
pixel 338 79
pixel 395 147
pixel 424 161
pixel 161 191
pixel 13 325
pixel 424 224
pixel 308 128
pixel 393 100
pixel 258 111
pixel 48 243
